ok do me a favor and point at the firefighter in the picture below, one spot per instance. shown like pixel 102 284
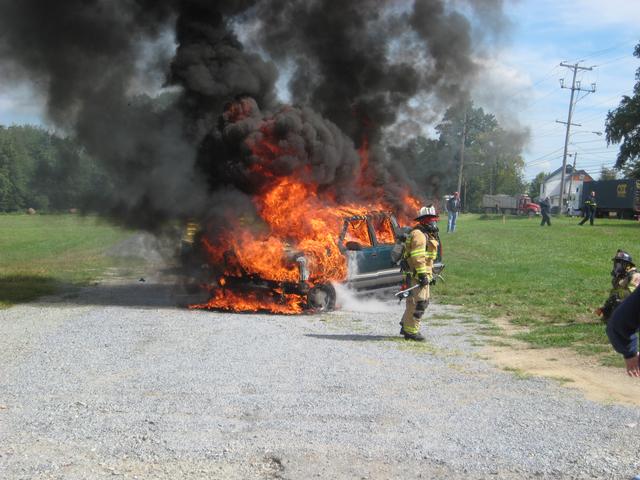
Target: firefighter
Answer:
pixel 589 206
pixel 420 251
pixel 624 280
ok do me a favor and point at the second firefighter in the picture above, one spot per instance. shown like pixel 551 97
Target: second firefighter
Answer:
pixel 624 280
pixel 420 251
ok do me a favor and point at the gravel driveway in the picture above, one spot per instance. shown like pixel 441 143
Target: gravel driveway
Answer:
pixel 118 382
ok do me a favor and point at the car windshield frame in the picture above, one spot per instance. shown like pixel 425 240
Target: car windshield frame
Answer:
pixel 368 218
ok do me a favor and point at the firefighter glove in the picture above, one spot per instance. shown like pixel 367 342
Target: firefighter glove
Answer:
pixel 424 279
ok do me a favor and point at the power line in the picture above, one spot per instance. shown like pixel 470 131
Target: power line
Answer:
pixel 548 94
pixel 606 101
pixel 531 162
pixel 600 52
pixel 615 60
pixel 538 82
pixel 587 141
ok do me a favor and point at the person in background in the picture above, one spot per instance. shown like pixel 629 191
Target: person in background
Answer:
pixel 453 208
pixel 589 207
pixel 545 206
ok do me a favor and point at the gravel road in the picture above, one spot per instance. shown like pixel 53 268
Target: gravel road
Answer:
pixel 117 382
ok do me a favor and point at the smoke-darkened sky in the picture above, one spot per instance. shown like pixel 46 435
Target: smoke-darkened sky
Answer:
pixel 520 61
pixel 520 76
pixel 348 84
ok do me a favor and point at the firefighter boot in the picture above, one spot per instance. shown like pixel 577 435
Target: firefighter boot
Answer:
pixel 416 337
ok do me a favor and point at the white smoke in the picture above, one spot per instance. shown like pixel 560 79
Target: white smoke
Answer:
pixel 347 300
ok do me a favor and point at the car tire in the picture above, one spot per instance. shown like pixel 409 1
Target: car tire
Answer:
pixel 321 298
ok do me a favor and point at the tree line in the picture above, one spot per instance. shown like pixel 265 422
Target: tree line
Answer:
pixel 492 160
pixel 44 171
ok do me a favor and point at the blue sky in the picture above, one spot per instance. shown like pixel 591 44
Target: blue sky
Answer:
pixel 521 82
pixel 545 33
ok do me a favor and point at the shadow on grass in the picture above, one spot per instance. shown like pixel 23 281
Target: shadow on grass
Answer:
pixel 354 337
pixel 25 288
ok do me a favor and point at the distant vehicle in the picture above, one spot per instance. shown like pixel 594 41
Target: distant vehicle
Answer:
pixel 510 204
pixel 619 198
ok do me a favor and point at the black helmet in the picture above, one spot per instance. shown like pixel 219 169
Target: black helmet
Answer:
pixel 622 256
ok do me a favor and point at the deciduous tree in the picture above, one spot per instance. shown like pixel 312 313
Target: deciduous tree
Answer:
pixel 608 174
pixel 623 126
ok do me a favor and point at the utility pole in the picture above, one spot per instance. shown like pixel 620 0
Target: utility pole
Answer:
pixel 464 140
pixel 573 172
pixel 575 67
pixel 464 206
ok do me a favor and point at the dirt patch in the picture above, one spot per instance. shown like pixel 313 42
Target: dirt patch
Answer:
pixel 599 383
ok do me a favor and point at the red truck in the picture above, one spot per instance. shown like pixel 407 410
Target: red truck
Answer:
pixel 514 205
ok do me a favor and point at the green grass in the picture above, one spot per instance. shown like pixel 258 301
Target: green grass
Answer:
pixel 498 343
pixel 562 380
pixel 518 373
pixel 612 360
pixel 40 254
pixel 548 279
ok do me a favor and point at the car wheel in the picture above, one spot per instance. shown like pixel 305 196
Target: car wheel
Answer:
pixel 321 298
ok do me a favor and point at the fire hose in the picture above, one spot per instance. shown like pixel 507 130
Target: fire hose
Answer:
pixel 405 293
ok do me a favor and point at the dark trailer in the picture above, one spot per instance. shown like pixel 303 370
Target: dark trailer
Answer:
pixel 614 197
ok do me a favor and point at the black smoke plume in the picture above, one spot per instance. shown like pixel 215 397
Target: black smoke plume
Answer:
pixel 356 70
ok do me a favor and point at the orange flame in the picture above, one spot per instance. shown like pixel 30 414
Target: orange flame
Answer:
pixel 294 216
pixel 228 300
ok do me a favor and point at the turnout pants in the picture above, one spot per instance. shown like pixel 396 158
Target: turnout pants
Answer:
pixel 417 303
pixel 589 215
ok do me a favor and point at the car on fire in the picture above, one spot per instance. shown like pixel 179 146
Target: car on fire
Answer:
pixel 366 241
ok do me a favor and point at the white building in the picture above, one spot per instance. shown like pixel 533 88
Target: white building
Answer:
pixel 573 181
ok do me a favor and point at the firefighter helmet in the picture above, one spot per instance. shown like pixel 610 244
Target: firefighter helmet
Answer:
pixel 622 256
pixel 428 211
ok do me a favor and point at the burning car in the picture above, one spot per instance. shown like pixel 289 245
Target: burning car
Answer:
pixel 364 244
pixel 307 209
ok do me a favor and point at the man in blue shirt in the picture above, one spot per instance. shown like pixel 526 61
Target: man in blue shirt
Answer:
pixel 453 208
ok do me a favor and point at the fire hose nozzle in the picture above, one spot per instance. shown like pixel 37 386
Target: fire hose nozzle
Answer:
pixel 405 293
